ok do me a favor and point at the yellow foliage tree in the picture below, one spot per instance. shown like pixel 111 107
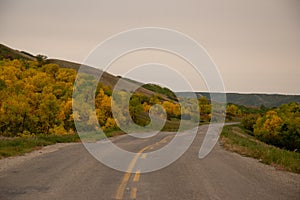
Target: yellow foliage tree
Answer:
pixel 268 126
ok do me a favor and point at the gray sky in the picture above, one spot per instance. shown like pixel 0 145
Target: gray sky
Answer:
pixel 255 43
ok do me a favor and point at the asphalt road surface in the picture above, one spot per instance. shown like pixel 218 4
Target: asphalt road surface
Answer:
pixel 71 173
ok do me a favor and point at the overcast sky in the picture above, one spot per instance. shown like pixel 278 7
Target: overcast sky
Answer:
pixel 254 43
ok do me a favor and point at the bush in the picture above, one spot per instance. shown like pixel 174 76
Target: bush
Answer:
pixel 279 127
pixel 249 121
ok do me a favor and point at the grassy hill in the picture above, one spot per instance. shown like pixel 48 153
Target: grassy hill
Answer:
pixel 8 53
pixel 106 78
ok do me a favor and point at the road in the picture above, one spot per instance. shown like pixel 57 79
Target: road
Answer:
pixel 71 173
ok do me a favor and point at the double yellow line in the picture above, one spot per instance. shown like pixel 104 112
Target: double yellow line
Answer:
pixel 122 186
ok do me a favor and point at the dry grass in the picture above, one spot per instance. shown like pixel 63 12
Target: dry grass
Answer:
pixel 237 140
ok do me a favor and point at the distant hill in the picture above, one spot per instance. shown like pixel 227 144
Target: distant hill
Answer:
pixel 254 100
pixel 268 100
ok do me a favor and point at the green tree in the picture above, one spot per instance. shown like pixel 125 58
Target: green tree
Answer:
pixel 205 109
pixel 249 121
pixel 41 59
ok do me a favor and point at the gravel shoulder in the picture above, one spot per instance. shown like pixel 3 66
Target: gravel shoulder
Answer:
pixel 6 163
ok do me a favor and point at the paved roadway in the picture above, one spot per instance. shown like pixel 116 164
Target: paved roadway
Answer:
pixel 71 173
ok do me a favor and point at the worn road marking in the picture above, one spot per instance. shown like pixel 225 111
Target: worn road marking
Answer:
pixel 136 177
pixel 133 193
pixel 121 189
pixel 122 186
pixel 144 155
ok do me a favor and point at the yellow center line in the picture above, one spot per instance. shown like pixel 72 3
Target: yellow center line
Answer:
pixel 121 189
pixel 164 141
pixel 122 186
pixel 136 177
pixel 133 193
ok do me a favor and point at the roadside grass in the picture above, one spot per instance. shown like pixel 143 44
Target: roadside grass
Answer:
pixel 13 146
pixel 235 139
pixel 175 125
pixel 21 145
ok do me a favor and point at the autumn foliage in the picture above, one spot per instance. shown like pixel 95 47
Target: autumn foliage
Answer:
pixel 279 127
pixel 37 98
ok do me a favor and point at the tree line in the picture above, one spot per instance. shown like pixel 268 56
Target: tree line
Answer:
pixel 279 126
pixel 36 98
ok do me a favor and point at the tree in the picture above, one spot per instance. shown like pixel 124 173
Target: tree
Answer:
pixel 41 59
pixel 268 127
pixel 35 100
pixel 172 109
pixel 232 111
pixel 249 121
pixel 47 112
pixel 14 115
pixel 135 109
pixel 205 109
pixel 103 107
pixel 51 69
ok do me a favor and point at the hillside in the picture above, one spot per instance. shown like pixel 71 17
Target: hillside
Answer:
pixel 256 100
pixel 252 100
pixel 107 78
pixel 268 100
pixel 39 98
pixel 9 53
